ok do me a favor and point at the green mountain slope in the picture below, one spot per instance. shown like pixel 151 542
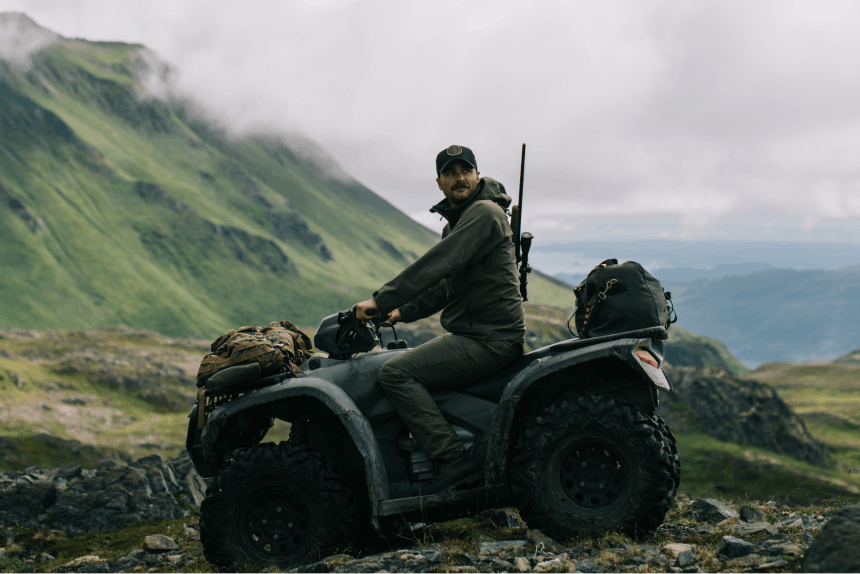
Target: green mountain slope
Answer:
pixel 117 207
pixel 686 349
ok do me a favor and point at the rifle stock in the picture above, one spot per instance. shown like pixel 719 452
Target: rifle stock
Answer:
pixel 515 227
pixel 525 268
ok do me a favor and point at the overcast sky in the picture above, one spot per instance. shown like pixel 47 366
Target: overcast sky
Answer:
pixel 682 120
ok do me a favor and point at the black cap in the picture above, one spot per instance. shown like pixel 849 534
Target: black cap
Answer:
pixel 453 152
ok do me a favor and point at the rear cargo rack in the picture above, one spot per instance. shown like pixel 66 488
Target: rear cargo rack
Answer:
pixel 649 333
pixel 252 385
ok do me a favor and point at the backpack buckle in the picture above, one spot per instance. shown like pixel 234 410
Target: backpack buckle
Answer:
pixel 609 285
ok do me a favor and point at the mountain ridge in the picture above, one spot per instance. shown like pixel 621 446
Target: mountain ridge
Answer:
pixel 121 207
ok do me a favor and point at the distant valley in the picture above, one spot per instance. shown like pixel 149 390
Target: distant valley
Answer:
pixel 775 314
pixel 768 314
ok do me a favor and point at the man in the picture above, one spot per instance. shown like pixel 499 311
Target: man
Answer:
pixel 471 275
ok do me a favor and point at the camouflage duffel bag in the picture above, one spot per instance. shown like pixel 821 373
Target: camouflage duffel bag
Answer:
pixel 276 348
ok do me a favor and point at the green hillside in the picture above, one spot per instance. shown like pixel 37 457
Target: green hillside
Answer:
pixel 686 349
pixel 825 396
pixel 120 208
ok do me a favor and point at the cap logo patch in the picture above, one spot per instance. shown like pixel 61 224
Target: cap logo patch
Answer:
pixel 455 150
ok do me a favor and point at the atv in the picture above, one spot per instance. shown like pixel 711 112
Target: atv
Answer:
pixel 568 434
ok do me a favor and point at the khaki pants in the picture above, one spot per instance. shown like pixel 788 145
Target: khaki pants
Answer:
pixel 445 362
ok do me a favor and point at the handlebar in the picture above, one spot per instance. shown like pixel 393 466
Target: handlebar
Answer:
pixel 347 320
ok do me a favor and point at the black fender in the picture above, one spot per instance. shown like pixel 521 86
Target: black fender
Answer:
pixel 560 358
pixel 336 400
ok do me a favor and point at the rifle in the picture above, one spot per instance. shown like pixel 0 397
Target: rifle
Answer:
pixel 522 242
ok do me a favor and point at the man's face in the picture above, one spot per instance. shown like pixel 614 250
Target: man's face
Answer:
pixel 457 181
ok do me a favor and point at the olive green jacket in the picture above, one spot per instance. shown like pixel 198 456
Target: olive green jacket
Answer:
pixel 471 275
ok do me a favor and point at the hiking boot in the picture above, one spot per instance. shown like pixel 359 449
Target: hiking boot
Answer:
pixel 460 470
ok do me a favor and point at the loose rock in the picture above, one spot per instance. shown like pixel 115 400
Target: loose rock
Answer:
pixel 500 565
pixel 750 514
pixel 712 510
pixel 158 543
pixel 553 565
pixel 463 559
pixel 797 523
pixel 675 549
pixel 538 538
pixel 782 549
pixel 837 547
pixel 732 547
pixel 82 560
pixel 753 527
pixel 503 546
pixel 522 564
pixel 685 559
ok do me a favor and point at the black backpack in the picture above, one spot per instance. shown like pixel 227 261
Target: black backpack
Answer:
pixel 615 298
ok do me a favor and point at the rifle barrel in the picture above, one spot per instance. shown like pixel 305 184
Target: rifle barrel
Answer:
pixel 520 205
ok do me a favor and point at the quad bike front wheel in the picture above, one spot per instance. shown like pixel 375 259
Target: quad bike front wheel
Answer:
pixel 275 505
pixel 590 464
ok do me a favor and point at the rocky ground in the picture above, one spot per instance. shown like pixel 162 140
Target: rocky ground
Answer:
pixel 156 368
pixel 75 500
pixel 738 410
pixel 142 517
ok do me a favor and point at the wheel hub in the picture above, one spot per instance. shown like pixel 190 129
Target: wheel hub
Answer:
pixel 592 475
pixel 277 524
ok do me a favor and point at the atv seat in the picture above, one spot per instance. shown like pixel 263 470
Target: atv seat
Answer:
pixel 491 387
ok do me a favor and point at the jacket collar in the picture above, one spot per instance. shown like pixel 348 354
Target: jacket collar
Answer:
pixel 452 214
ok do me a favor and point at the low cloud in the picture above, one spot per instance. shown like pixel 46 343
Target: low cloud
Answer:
pixel 21 38
pixel 693 114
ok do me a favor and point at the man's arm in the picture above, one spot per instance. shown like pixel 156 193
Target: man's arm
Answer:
pixel 474 236
pixel 430 302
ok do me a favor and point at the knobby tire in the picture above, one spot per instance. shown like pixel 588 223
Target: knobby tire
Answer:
pixel 282 475
pixel 544 469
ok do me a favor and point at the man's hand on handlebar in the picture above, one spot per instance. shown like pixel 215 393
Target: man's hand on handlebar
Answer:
pixel 394 316
pixel 366 310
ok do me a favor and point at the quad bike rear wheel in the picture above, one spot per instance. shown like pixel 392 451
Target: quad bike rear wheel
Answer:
pixel 275 505
pixel 590 464
pixel 670 445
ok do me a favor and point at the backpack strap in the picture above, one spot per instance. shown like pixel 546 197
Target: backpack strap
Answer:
pixel 201 407
pixel 594 305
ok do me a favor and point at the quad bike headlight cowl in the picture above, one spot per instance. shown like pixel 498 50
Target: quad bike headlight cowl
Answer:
pixel 360 339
